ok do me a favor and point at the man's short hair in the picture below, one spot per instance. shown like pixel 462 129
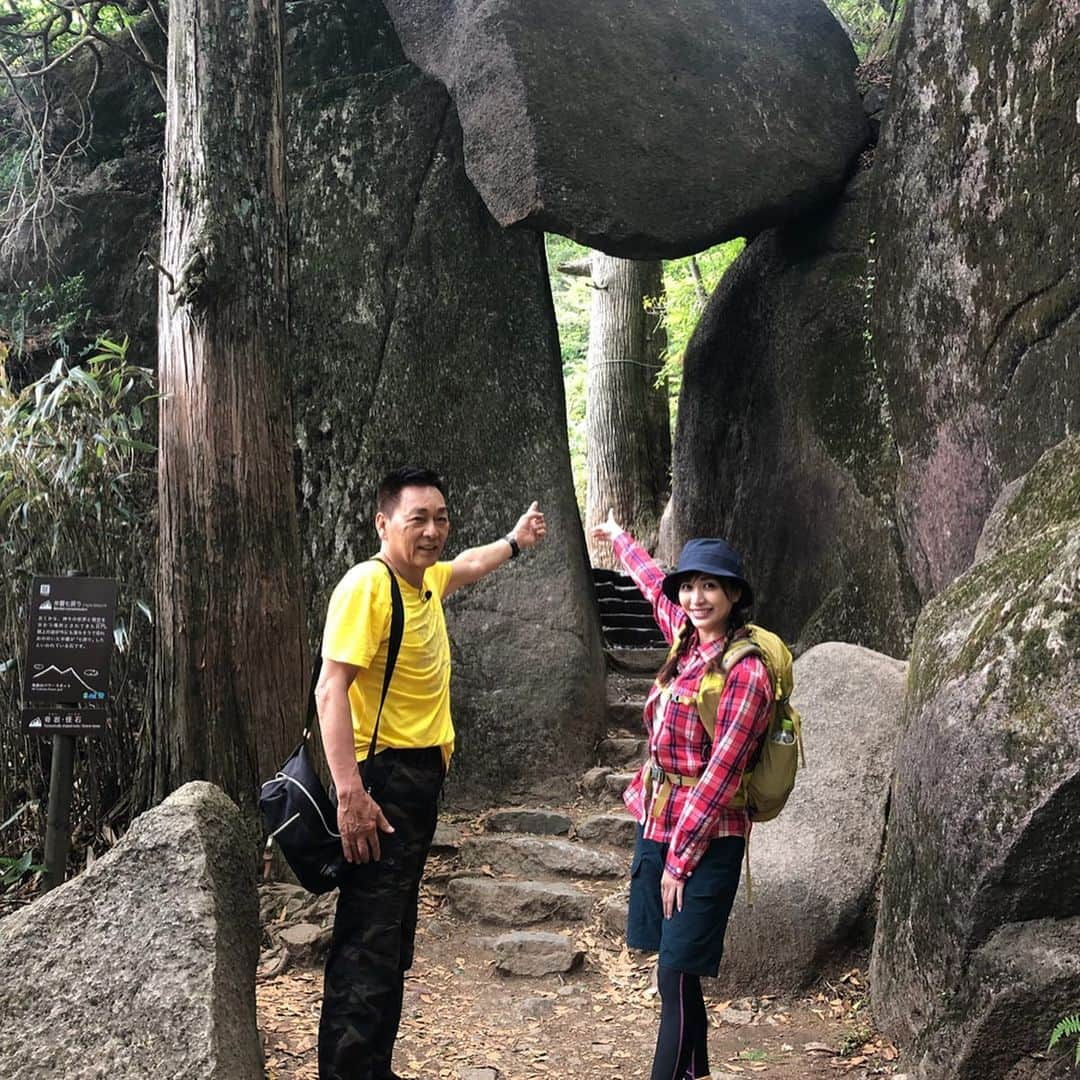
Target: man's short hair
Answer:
pixel 393 483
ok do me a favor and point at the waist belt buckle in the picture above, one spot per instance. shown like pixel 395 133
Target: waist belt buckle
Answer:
pixel 658 775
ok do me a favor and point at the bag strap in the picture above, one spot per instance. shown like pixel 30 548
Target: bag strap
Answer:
pixel 397 632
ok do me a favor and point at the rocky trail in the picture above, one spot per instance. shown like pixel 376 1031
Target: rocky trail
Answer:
pixel 521 968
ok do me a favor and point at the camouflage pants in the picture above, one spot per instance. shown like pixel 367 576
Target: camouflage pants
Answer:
pixel 375 923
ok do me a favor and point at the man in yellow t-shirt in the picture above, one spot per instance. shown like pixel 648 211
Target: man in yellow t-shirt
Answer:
pixel 375 922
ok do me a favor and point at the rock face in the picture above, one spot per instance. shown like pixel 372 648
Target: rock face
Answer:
pixel 783 443
pixel 976 314
pixel 651 130
pixel 815 867
pixel 436 329
pixel 144 965
pixel 984 831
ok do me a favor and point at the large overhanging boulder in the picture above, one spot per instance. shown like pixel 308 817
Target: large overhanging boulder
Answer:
pixel 783 443
pixel 436 328
pixel 984 831
pixel 815 867
pixel 645 130
pixel 144 965
pixel 976 312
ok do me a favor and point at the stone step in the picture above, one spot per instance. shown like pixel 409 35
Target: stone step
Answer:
pixel 536 952
pixel 613 590
pixel 634 638
pixel 621 751
pixel 628 619
pixel 604 784
pixel 618 829
pixel 536 821
pixel 616 783
pixel 626 715
pixel 517 903
pixel 644 661
pixel 535 856
pixel 593 783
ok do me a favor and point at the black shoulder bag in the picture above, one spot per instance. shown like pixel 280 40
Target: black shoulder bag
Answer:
pixel 297 812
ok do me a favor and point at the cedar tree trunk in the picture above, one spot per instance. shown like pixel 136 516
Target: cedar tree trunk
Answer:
pixel 628 428
pixel 230 659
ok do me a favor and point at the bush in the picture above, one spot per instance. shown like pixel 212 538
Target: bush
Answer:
pixel 77 492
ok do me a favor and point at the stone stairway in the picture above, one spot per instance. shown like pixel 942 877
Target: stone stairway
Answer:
pixel 533 877
pixel 625 615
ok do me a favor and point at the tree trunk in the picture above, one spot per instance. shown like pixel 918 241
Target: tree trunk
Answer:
pixel 230 643
pixel 627 421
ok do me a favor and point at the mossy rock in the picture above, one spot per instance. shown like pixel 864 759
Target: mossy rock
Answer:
pixel 984 830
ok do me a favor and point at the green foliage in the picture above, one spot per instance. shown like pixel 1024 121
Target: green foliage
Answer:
pixel 77 491
pixel 864 20
pixel 45 316
pixel 571 295
pixel 13 870
pixel 1067 1028
pixel 684 300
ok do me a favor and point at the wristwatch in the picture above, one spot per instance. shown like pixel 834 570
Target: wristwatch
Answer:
pixel 515 547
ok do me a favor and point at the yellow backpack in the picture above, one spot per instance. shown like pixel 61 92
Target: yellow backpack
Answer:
pixel 768 781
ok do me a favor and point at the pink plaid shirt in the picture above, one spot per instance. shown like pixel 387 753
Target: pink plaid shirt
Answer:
pixel 678 742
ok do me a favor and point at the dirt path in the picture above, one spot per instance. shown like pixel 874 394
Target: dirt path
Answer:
pixel 461 1015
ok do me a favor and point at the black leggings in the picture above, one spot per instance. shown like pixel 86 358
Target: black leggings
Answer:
pixel 682 1045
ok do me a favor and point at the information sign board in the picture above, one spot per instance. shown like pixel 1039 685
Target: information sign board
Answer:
pixel 66 675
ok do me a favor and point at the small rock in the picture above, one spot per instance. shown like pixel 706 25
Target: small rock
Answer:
pixel 737 1017
pixel 479 1074
pixel 538 822
pixel 447 837
pixel 280 902
pixel 305 941
pixel 613 912
pixel 536 1008
pixel 603 1049
pixel 530 952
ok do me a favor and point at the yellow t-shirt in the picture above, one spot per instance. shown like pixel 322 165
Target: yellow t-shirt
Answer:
pixel 417 709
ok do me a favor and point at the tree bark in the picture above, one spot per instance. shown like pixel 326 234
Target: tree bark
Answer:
pixel 230 643
pixel 627 420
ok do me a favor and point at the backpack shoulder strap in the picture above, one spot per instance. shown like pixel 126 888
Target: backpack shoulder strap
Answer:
pixel 738 650
pixel 712 684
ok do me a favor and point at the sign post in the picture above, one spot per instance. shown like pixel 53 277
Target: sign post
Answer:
pixel 65 687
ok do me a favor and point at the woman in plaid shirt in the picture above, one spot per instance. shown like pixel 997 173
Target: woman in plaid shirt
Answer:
pixel 690 842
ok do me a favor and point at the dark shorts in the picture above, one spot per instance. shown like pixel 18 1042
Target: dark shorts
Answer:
pixel 692 940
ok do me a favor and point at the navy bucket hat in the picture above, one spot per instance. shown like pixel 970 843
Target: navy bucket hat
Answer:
pixel 707 555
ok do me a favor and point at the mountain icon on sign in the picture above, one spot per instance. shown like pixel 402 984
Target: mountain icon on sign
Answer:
pixel 67 671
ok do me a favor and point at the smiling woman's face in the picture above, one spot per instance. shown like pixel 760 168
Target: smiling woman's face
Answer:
pixel 708 602
pixel 414 533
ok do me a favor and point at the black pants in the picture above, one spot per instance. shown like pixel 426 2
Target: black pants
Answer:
pixel 375 923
